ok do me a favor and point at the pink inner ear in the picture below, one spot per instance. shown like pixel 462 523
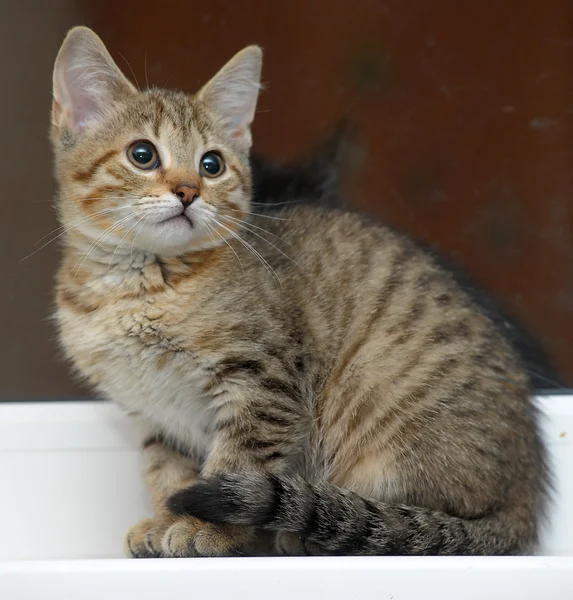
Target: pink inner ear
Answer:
pixel 84 110
pixel 238 132
pixel 77 100
pixel 86 82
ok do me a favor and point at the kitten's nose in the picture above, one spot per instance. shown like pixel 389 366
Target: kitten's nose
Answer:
pixel 186 193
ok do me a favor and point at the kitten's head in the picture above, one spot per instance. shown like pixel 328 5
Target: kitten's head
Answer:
pixel 157 171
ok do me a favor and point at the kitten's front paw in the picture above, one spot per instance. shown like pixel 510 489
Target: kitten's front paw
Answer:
pixel 144 539
pixel 188 536
pixel 183 537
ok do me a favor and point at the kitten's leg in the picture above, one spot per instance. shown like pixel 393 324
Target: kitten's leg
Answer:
pixel 267 434
pixel 187 536
pixel 166 471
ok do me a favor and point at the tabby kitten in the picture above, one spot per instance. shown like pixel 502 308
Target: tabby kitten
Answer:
pixel 311 384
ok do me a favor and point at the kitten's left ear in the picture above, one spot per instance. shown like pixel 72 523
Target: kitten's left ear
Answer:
pixel 233 93
pixel 87 82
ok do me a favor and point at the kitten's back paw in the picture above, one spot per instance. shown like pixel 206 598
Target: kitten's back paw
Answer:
pixel 290 544
pixel 144 539
pixel 188 536
pixel 214 540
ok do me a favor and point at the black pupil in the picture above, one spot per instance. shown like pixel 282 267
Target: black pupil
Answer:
pixel 211 164
pixel 143 154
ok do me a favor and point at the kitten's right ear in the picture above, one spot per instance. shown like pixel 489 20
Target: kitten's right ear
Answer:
pixel 233 93
pixel 86 82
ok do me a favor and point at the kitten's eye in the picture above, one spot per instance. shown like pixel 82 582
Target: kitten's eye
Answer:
pixel 212 165
pixel 143 155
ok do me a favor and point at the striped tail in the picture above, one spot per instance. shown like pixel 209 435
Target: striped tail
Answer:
pixel 340 522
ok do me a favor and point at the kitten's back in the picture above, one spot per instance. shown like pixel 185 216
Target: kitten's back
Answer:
pixel 418 399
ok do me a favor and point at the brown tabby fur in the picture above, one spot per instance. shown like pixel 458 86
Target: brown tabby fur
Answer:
pixel 310 380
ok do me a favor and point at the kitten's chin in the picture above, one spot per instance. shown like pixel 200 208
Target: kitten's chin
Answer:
pixel 173 237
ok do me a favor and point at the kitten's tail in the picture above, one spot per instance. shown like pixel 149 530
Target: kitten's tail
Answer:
pixel 340 522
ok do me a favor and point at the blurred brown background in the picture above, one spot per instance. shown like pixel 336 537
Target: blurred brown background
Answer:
pixel 466 112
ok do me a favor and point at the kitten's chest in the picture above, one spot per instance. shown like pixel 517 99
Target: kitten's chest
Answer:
pixel 140 355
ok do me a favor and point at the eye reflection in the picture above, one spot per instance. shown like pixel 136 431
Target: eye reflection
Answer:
pixel 211 165
pixel 143 155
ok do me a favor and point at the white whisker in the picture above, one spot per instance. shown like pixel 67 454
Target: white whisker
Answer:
pixel 245 224
pixel 242 222
pixel 97 244
pixel 66 230
pixel 123 238
pixel 257 214
pixel 145 70
pixel 275 203
pixel 144 218
pixel 132 72
pixel 211 229
pixel 80 221
pixel 255 253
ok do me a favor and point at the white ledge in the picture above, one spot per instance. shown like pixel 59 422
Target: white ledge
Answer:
pixel 71 487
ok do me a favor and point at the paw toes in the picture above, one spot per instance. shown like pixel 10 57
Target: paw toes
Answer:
pixel 178 540
pixel 137 540
pixel 152 543
pixel 190 537
pixel 212 541
pixel 185 537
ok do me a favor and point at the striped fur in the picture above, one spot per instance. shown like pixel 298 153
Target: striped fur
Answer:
pixel 323 519
pixel 323 377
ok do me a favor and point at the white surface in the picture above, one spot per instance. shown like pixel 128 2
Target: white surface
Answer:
pixel 70 478
pixel 71 487
pixel 292 579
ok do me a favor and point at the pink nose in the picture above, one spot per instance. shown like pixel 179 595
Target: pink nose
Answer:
pixel 186 193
